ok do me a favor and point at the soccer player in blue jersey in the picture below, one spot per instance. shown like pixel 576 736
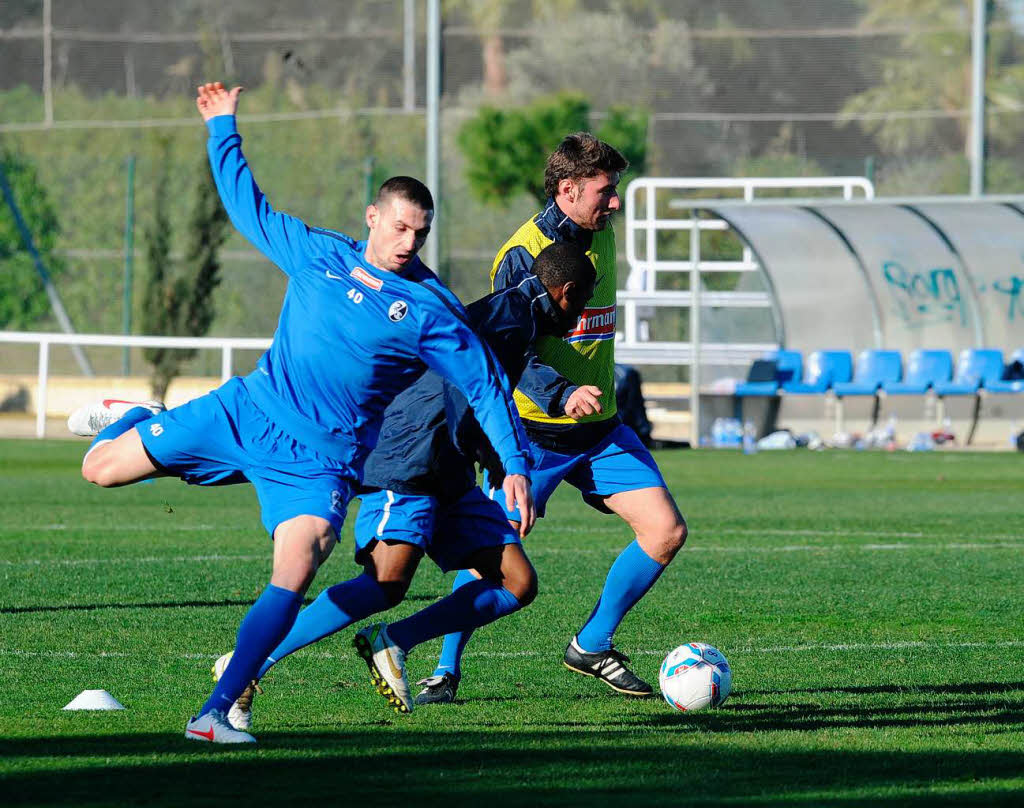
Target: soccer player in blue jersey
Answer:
pixel 420 496
pixel 361 321
pixel 566 398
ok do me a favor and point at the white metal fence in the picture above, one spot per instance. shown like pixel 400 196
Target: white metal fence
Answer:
pixel 225 345
pixel 646 219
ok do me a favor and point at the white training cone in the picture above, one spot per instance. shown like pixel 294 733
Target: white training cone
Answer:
pixel 94 700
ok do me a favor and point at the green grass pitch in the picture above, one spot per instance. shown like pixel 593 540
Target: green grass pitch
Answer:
pixel 871 605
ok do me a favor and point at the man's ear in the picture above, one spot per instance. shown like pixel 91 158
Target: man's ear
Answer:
pixel 567 189
pixel 372 216
pixel 557 294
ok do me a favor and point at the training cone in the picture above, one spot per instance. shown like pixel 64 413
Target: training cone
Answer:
pixel 94 700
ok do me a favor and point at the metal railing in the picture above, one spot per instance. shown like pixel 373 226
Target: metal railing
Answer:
pixel 633 342
pixel 226 345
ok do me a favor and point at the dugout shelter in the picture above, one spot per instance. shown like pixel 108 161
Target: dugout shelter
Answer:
pixel 829 274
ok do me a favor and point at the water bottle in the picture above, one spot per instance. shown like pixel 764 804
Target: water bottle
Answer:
pixel 749 438
pixel 716 433
pixel 889 438
pixel 734 432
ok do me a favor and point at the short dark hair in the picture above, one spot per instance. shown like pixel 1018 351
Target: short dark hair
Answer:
pixel 561 262
pixel 408 188
pixel 579 156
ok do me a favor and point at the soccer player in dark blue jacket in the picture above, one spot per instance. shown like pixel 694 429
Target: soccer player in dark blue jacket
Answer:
pixel 421 497
pixel 361 321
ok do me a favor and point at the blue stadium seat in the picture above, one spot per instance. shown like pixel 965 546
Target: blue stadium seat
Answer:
pixel 788 365
pixel 976 367
pixel 823 370
pixel 1000 385
pixel 924 369
pixel 874 368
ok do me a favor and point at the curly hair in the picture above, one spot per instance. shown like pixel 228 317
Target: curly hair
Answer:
pixel 579 156
pixel 561 262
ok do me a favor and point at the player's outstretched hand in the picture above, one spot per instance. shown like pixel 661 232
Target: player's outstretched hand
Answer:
pixel 518 493
pixel 213 100
pixel 585 400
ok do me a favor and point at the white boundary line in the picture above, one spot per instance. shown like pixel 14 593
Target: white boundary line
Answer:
pixel 810 647
pixel 546 531
pixel 545 551
pixel 886 646
pixel 697 533
pixel 255 529
pixel 794 548
pixel 78 562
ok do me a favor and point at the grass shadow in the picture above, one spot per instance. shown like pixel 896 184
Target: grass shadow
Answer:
pixel 391 765
pixel 743 718
pixel 962 688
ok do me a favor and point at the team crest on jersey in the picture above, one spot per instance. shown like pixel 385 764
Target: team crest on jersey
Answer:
pixel 366 278
pixel 398 311
pixel 594 325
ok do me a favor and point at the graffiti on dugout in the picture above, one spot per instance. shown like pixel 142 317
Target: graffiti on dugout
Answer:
pixel 926 297
pixel 1012 288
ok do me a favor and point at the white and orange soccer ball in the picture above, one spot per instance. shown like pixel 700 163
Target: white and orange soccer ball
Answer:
pixel 695 676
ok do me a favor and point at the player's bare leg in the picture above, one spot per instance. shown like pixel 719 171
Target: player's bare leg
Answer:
pixel 301 545
pixel 508 575
pixel 393 565
pixel 660 533
pixel 653 516
pixel 116 455
pixel 508 566
pixel 121 461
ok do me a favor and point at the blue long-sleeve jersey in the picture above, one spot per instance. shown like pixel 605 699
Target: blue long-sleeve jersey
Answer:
pixel 430 439
pixel 351 337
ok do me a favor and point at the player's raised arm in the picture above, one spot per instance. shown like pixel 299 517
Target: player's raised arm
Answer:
pixel 213 100
pixel 285 240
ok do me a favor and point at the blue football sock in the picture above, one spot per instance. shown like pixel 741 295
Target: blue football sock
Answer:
pixel 633 573
pixel 454 644
pixel 121 425
pixel 471 606
pixel 336 607
pixel 261 630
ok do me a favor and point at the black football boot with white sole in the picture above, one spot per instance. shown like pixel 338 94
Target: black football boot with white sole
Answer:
pixel 608 666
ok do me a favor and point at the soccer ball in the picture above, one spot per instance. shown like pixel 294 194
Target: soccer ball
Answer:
pixel 695 676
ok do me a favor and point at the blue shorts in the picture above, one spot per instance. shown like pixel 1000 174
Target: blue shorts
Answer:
pixel 618 463
pixel 223 438
pixel 449 535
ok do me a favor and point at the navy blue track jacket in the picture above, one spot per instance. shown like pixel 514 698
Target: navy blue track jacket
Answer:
pixel 430 439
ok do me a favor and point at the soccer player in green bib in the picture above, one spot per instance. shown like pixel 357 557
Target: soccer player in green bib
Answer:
pixel 566 399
